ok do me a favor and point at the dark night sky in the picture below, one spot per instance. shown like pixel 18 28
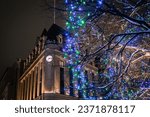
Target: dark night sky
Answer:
pixel 21 21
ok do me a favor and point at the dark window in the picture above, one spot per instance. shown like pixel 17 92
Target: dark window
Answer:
pixel 62 80
pixel 29 83
pixel 36 83
pixel 24 89
pixel 40 90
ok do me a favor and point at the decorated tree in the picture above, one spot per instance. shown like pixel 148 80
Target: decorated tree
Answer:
pixel 115 35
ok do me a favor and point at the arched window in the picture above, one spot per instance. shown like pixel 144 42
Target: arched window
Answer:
pixel 60 39
pixel 61 63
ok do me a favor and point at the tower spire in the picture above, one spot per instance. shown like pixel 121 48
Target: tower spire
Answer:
pixel 54 11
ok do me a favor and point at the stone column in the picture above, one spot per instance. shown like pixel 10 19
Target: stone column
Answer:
pixel 38 80
pixel 23 89
pixel 32 92
pixel 31 80
pixel 34 83
pixel 27 86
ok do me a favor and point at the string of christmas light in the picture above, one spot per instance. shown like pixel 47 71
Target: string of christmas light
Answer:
pixel 78 13
pixel 124 88
pixel 132 84
pixel 77 22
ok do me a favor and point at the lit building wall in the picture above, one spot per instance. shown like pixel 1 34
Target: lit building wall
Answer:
pixel 46 76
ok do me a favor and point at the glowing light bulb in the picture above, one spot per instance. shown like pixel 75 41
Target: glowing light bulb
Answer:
pixel 147 54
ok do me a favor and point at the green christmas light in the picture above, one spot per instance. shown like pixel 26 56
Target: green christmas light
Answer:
pixel 77 52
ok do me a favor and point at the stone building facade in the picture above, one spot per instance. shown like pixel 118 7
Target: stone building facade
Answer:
pixel 44 72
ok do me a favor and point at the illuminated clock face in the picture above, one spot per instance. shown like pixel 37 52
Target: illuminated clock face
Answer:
pixel 49 58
